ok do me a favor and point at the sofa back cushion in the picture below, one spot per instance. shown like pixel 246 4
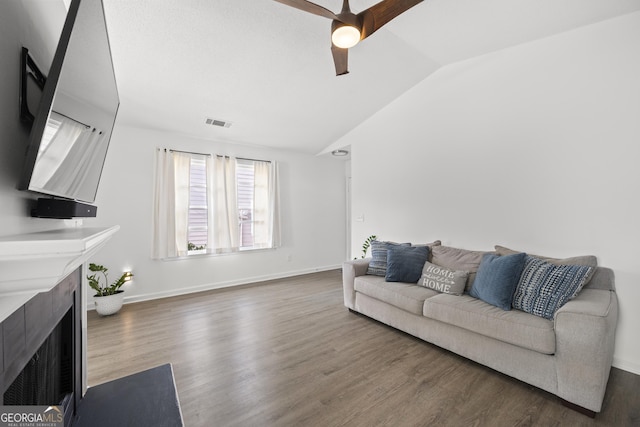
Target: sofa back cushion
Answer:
pixel 458 259
pixel 600 278
pixel 588 260
pixel 603 278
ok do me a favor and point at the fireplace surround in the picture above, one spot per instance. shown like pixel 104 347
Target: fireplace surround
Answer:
pixel 43 314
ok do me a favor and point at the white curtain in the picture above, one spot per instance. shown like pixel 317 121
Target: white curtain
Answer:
pixel 225 206
pixel 182 171
pixel 170 219
pixel 81 159
pixel 163 220
pixel 266 213
pixel 61 134
pixel 210 163
pixel 274 201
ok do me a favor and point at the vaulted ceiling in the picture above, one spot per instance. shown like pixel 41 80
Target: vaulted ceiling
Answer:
pixel 267 68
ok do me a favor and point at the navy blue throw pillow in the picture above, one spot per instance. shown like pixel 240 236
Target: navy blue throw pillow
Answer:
pixel 378 263
pixel 404 263
pixel 497 279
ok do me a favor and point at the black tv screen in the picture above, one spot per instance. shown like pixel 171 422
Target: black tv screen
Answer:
pixel 73 124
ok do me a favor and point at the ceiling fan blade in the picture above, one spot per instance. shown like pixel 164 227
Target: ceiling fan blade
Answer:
pixel 340 59
pixel 381 13
pixel 307 6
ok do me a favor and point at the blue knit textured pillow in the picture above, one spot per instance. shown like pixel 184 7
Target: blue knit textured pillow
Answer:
pixel 544 287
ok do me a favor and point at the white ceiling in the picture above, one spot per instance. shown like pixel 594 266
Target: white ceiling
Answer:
pixel 267 67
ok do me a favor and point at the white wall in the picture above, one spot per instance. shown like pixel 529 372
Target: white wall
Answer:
pixel 312 188
pixel 312 194
pixel 37 27
pixel 535 147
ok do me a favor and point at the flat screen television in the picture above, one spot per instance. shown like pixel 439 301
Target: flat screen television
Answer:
pixel 72 127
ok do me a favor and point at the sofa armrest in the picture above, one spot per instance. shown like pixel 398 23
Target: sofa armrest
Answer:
pixel 351 270
pixel 585 336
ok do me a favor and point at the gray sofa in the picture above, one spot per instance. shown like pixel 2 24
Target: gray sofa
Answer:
pixel 569 356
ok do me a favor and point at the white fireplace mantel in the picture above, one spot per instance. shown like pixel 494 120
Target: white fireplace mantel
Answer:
pixel 36 262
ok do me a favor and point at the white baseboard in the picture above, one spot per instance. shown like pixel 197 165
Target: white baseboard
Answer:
pixel 626 365
pixel 219 285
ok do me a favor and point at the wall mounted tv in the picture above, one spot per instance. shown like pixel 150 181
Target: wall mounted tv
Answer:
pixel 72 127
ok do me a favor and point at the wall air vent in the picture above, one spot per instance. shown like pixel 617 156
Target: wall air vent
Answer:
pixel 216 122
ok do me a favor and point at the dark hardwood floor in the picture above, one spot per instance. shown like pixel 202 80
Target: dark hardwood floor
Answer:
pixel 288 353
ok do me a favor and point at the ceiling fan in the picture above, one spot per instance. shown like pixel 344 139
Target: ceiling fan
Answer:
pixel 347 28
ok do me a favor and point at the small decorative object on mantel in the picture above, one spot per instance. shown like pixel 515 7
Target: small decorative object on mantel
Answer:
pixel 109 298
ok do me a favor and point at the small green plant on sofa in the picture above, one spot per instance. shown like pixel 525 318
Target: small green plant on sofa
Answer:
pixel 106 289
pixel 367 244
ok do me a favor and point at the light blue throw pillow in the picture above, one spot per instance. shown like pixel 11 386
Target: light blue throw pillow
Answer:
pixel 404 264
pixel 497 279
pixel 544 287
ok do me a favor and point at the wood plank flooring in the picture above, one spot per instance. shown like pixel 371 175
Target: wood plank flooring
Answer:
pixel 288 353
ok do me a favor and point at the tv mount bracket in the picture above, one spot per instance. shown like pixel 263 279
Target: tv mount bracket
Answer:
pixel 28 69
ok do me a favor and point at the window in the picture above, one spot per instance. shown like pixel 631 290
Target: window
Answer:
pixel 197 230
pixel 245 188
pixel 213 204
pixel 257 204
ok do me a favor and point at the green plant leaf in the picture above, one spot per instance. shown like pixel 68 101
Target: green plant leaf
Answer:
pixel 367 244
pixel 107 289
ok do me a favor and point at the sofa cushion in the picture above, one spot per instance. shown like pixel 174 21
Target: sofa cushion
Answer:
pixel 497 279
pixel 430 245
pixel 404 264
pixel 405 296
pixel 588 260
pixel 458 259
pixel 443 279
pixel 513 327
pixel 378 263
pixel 544 287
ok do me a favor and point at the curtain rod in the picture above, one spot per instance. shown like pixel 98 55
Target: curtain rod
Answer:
pixel 188 152
pixel 245 158
pixel 217 155
pixel 72 119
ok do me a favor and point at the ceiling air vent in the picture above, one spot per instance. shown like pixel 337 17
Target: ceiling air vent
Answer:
pixel 216 122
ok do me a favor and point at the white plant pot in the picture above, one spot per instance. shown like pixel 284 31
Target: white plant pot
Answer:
pixel 109 304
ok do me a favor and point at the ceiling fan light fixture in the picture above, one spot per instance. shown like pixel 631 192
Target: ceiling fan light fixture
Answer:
pixel 347 28
pixel 345 36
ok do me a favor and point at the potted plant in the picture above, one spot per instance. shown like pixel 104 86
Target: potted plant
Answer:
pixel 367 244
pixel 109 298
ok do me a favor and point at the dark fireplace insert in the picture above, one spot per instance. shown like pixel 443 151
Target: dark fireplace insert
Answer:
pixel 42 350
pixel 47 379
